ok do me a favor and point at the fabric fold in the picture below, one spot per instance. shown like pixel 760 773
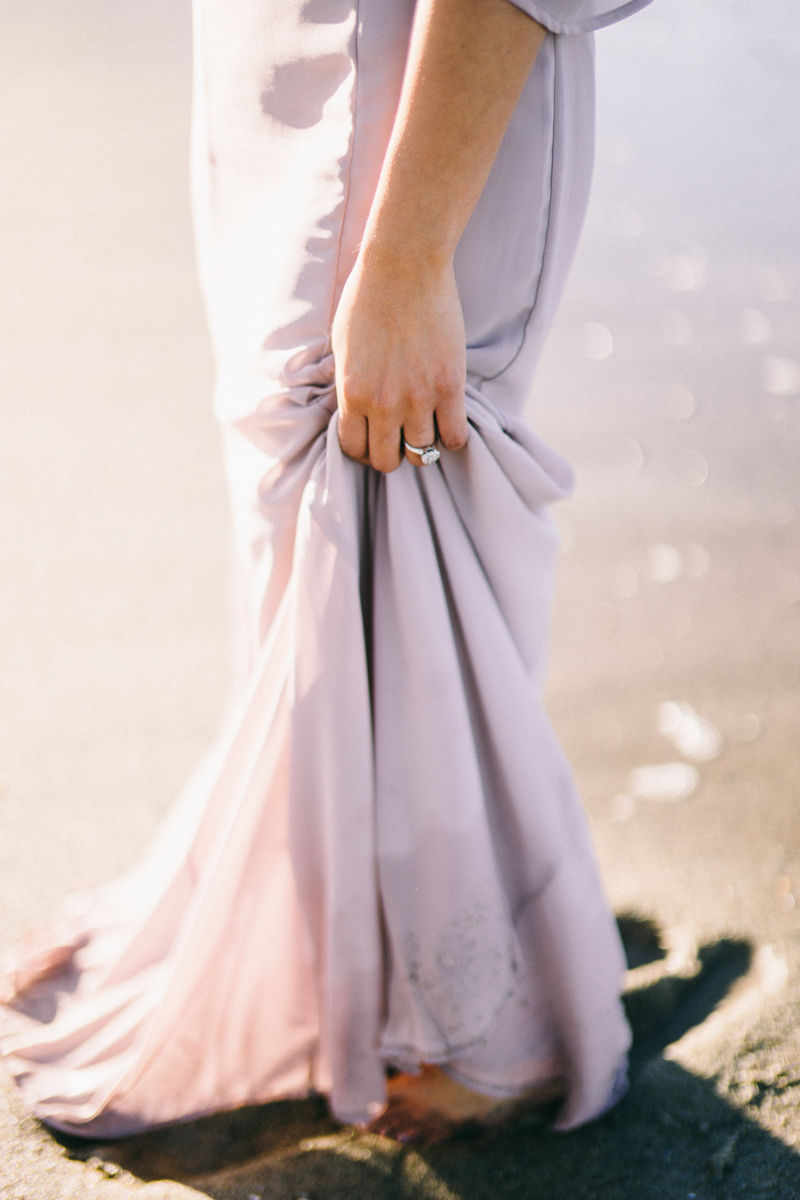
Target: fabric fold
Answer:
pixel 579 16
pixel 346 882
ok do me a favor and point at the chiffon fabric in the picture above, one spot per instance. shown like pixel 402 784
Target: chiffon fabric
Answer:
pixel 383 859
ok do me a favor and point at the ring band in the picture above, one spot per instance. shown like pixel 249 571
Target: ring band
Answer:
pixel 428 454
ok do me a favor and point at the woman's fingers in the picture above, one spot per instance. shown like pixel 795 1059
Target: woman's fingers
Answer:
pixel 384 439
pixel 438 416
pixel 354 435
pixel 378 441
pixel 451 420
pixel 418 430
pixel 373 440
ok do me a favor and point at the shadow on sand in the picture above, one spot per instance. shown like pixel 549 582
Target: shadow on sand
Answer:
pixel 672 1137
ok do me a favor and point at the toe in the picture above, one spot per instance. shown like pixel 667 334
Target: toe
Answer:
pixel 397 1122
pixel 411 1127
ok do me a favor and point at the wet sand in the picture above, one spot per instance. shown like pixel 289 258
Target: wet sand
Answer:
pixel 671 381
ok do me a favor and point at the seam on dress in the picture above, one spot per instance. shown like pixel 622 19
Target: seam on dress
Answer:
pixel 518 351
pixel 349 171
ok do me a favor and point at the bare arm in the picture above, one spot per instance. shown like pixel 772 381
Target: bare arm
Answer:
pixel 398 334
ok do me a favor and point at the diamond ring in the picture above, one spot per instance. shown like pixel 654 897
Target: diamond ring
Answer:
pixel 428 454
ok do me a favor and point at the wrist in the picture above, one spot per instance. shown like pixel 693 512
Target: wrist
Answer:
pixel 409 258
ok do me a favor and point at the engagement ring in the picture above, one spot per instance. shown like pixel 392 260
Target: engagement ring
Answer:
pixel 428 454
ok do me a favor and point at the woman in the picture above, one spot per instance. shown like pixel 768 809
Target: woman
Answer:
pixel 383 862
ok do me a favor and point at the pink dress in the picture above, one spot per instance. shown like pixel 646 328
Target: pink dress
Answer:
pixel 321 902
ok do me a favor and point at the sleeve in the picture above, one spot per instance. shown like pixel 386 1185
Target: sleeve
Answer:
pixel 578 16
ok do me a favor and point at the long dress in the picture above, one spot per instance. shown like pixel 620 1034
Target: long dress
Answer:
pixel 323 902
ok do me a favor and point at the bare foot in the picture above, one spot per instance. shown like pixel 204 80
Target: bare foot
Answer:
pixel 430 1107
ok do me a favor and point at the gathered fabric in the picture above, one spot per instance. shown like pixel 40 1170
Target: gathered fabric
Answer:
pixel 323 901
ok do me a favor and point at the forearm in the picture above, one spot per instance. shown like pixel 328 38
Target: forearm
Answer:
pixel 467 65
pixel 398 335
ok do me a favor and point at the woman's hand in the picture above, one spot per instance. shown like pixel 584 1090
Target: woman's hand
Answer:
pixel 399 348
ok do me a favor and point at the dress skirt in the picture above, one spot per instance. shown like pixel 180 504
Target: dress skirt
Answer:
pixel 383 859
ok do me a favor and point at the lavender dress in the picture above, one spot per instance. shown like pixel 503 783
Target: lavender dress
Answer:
pixel 323 902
